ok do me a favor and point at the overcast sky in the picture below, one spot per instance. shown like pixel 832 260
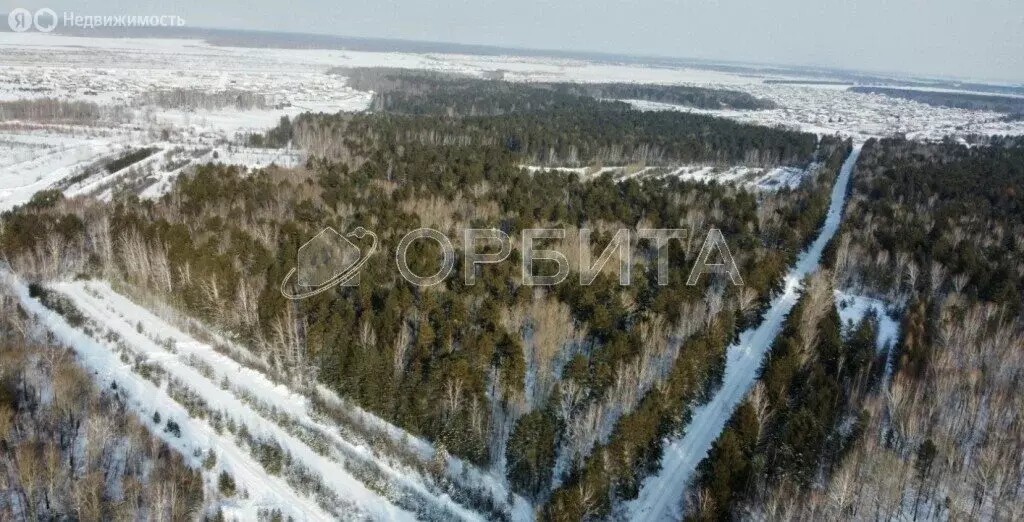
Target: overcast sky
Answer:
pixel 981 39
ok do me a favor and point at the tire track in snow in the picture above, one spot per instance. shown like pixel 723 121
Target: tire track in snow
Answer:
pixel 661 495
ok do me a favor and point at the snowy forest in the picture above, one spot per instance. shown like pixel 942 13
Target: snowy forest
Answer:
pixel 534 383
pixel 65 443
pixel 566 396
pixel 929 427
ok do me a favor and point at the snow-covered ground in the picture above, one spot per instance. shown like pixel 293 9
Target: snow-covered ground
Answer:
pixel 117 71
pixel 826 110
pixel 119 335
pixel 114 73
pixel 30 163
pixel 853 308
pixel 754 178
pixel 35 161
pixel 750 177
pixel 661 494
pixel 146 398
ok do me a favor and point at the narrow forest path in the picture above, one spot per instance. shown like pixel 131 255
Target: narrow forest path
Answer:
pixel 661 494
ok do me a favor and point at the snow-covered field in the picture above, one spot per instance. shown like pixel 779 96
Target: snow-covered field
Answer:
pixel 30 163
pixel 117 73
pixel 661 494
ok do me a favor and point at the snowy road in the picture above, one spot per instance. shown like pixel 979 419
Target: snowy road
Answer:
pixel 660 496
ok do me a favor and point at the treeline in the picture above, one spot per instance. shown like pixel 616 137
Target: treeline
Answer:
pixel 698 97
pixel 69 451
pixel 182 98
pixel 51 110
pixel 551 125
pixel 957 100
pixel 386 79
pixel 573 137
pixel 404 91
pixel 275 138
pixel 939 214
pixel 433 93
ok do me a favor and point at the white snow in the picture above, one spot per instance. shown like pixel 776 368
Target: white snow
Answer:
pixel 154 54
pixel 145 398
pixel 93 183
pixel 754 178
pixel 825 110
pixel 35 157
pixel 661 494
pixel 852 309
pixel 258 158
pixel 117 73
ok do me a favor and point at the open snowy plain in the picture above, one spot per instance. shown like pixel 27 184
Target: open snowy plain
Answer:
pixel 122 76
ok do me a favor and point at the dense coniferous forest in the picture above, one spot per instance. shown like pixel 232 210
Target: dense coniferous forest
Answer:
pixel 932 428
pixel 573 137
pixel 406 91
pixel 541 384
pixel 955 208
pixel 557 399
pixel 957 100
pixel 802 415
